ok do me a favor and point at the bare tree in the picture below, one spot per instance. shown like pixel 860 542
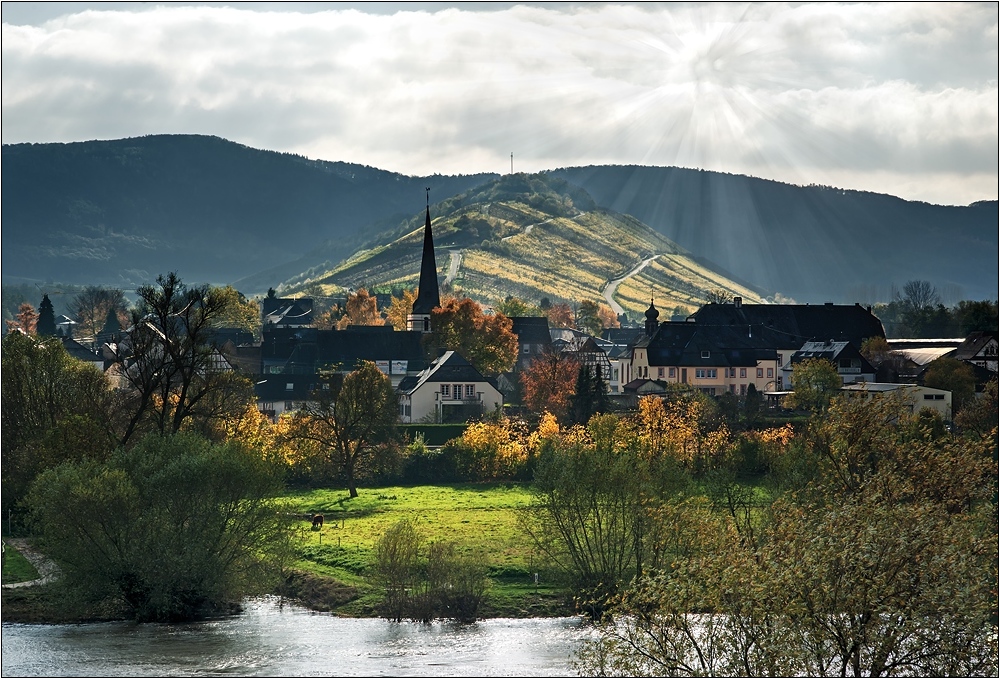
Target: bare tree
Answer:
pixel 91 307
pixel 167 366
pixel 920 294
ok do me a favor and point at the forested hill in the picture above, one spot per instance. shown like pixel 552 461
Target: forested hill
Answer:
pixel 121 212
pixel 813 243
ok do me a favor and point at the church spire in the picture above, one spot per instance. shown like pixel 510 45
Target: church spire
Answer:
pixel 427 294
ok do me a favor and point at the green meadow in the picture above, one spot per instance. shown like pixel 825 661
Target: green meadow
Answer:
pixel 481 519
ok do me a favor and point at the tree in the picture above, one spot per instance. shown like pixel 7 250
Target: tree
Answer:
pixel 876 350
pixel 361 309
pixel 549 381
pixel 174 528
pixel 513 306
pixel 588 319
pixel 351 417
pixel 919 294
pixel 973 316
pixel 954 376
pixel 166 365
pixel 884 565
pixel 718 296
pixel 26 319
pixel 559 315
pixel 609 319
pixel 815 381
pixel 239 312
pixel 54 408
pixel 487 342
pixel 590 395
pixel 92 306
pixel 979 416
pixel 400 308
pixel 46 318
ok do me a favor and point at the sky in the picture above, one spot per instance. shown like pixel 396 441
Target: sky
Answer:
pixel 887 97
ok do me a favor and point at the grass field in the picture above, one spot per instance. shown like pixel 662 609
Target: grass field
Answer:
pixel 16 568
pixel 481 519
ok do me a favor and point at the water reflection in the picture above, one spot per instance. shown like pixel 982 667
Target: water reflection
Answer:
pixel 272 640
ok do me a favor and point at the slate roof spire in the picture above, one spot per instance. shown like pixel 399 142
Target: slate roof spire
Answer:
pixel 427 293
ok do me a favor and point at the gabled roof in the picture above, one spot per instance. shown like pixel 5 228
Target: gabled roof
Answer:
pixel 306 349
pixel 295 312
pixel 80 352
pixel 973 345
pixel 692 345
pixel 449 367
pixel 622 335
pixel 796 323
pixel 531 329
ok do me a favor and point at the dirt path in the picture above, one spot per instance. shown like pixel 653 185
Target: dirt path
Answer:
pixel 456 262
pixel 527 230
pixel 46 567
pixel 611 286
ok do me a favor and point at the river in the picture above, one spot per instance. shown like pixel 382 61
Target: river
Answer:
pixel 271 639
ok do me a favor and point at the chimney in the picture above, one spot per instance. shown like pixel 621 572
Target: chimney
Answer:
pixel 738 301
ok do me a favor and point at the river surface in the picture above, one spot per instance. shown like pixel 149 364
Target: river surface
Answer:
pixel 270 639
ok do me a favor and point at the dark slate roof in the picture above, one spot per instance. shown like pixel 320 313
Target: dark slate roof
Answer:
pixel 622 335
pixel 449 367
pixel 78 351
pixel 295 312
pixel 269 305
pixel 797 323
pixel 831 351
pixel 685 344
pixel 275 387
pixel 972 345
pixel 428 296
pixel 531 329
pixel 219 336
pixel 303 350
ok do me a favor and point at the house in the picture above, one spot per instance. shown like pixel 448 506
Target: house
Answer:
pixel 851 365
pixel 714 359
pixel 448 390
pixel 586 350
pixel 533 338
pixel 980 349
pixel 786 327
pixel 304 351
pixel 286 312
pixel 82 353
pixel 916 397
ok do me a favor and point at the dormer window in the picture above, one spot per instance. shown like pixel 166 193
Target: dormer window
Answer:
pixel 706 354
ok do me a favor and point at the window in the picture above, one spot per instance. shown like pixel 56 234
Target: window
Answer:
pixel 732 388
pixel 706 354
pixel 470 391
pixel 712 374
pixel 289 386
pixel 743 390
pixel 526 349
pixel 760 372
pixel 445 390
pixel 673 372
pixel 699 373
pixel 933 397
pixel 781 361
pixel 770 372
pixel 743 373
pixel 659 372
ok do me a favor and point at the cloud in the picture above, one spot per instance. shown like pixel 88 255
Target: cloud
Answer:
pixel 883 97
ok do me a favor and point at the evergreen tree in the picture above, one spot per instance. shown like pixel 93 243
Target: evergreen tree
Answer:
pixel 46 318
pixel 112 327
pixel 591 396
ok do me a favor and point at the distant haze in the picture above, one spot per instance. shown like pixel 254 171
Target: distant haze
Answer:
pixel 891 98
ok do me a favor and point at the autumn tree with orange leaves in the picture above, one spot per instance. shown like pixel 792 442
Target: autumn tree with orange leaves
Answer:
pixel 487 342
pixel 548 383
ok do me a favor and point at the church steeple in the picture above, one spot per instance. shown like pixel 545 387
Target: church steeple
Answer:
pixel 428 297
pixel 652 314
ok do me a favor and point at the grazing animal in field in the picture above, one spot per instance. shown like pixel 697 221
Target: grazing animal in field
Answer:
pixel 317 520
